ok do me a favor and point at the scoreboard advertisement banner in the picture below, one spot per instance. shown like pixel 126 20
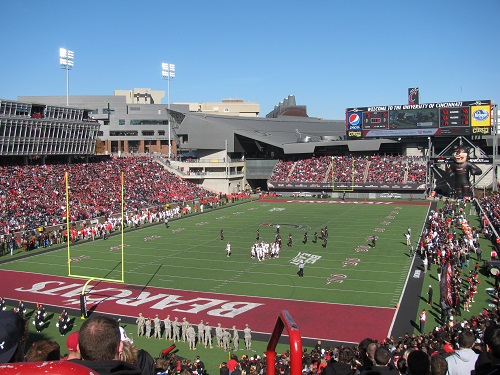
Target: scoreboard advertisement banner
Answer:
pixel 413 120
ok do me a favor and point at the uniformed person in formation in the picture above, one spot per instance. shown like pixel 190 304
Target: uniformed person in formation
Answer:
pixel 226 339
pixel 148 328
pixel 185 325
pixel 218 335
pixel 141 325
pixel 207 337
pixel 176 328
pixel 247 332
pixel 191 337
pixel 167 324
pixel 236 338
pixel 201 332
pixel 157 323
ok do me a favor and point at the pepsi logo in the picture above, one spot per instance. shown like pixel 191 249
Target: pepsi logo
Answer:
pixel 354 119
pixel 481 115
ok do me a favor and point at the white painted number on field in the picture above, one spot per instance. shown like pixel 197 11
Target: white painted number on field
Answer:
pixel 306 258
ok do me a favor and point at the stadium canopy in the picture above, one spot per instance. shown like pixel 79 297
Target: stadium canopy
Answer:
pixel 294 135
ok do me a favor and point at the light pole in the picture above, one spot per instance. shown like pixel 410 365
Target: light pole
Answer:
pixel 168 72
pixel 66 59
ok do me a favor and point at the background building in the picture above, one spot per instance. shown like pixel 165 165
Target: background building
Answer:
pixel 37 132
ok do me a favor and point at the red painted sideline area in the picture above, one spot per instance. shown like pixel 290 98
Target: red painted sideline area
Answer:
pixel 326 321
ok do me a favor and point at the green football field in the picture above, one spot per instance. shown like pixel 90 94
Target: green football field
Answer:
pixel 190 254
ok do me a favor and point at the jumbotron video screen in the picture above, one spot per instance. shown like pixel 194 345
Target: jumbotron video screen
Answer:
pixel 413 120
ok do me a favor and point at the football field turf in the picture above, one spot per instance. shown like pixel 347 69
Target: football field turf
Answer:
pixel 183 271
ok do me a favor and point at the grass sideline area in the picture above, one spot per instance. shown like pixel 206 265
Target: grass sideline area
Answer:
pixel 191 256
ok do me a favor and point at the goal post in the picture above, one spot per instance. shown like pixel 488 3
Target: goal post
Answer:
pixel 121 279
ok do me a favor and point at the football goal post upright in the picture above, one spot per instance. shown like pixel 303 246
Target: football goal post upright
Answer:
pixel 285 321
pixel 91 278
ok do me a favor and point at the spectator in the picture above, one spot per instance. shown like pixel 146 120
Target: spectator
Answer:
pixel 43 350
pixel 439 366
pixel 463 360
pixel 383 358
pixel 419 363
pixel 72 346
pixel 101 347
pixel 13 335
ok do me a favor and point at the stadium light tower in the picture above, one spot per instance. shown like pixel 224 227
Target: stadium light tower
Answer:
pixel 66 59
pixel 168 73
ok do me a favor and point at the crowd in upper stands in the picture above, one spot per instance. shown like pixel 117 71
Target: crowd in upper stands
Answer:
pixel 348 169
pixel 35 196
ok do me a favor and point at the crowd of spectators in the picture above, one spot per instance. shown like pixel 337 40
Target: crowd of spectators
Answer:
pixel 347 169
pixel 491 206
pixel 314 169
pixel 35 196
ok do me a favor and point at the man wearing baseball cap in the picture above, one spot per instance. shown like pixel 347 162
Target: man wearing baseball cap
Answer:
pixel 72 346
pixel 12 337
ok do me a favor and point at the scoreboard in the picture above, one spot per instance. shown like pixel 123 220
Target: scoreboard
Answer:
pixel 413 120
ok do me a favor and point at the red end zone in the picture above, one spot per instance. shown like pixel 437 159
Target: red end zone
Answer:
pixel 326 321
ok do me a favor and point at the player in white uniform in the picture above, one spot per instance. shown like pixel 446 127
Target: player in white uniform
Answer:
pixel 228 249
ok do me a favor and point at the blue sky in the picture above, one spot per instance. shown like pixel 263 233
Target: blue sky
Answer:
pixel 330 54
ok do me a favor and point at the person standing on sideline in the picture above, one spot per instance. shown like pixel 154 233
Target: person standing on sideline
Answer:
pixel 207 336
pixel 479 253
pixel 429 295
pixel 141 325
pixel 228 249
pixel 422 319
pixel 301 269
pixel 425 263
pixel 247 333
pixel 236 338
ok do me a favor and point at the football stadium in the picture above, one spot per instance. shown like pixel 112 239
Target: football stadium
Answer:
pixel 260 240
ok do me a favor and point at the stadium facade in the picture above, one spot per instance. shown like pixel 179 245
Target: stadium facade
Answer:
pixel 41 131
pixel 225 147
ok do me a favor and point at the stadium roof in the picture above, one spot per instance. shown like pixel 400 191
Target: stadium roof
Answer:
pixel 295 135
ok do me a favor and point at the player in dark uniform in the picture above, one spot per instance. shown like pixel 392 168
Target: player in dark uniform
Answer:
pixel 325 242
pixel 315 237
pixel 222 234
pixel 257 236
pixel 374 241
pixel 305 238
pixel 290 241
